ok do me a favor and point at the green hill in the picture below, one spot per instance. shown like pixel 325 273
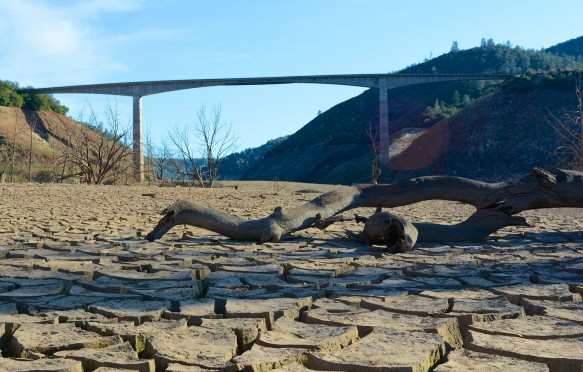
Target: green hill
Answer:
pixel 573 48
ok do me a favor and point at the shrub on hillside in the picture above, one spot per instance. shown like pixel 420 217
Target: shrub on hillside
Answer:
pixel 38 102
pixel 44 176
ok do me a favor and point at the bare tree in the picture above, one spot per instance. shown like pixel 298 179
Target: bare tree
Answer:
pixel 181 138
pixel 569 129
pixel 13 147
pixel 149 155
pixel 33 123
pixel 98 156
pixel 215 138
pixel 373 133
pixel 163 155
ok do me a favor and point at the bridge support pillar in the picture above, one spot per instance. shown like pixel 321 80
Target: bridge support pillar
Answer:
pixel 383 127
pixel 138 145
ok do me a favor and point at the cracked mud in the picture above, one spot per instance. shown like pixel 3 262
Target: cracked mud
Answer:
pixel 81 290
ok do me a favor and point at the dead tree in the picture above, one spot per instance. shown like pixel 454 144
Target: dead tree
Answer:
pixel 496 207
pixel 33 123
pixel 96 156
pixel 163 156
pixel 373 133
pixel 569 131
pixel 211 139
pixel 181 138
pixel 217 138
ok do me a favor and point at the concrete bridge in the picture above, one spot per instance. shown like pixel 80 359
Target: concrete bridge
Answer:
pixel 382 82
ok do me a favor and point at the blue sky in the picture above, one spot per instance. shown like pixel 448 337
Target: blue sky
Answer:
pixel 65 42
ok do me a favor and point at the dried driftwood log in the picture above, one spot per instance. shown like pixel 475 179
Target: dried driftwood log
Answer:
pixel 496 206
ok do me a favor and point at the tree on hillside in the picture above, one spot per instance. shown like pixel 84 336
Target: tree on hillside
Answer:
pixel 373 134
pixel 569 129
pixel 215 139
pixel 455 47
pixel 455 98
pixel 8 96
pixel 96 157
pixel 33 123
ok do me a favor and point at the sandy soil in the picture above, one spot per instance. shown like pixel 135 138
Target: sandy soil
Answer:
pixel 81 212
pixel 73 256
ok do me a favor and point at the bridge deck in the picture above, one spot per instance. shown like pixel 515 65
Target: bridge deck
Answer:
pixel 145 88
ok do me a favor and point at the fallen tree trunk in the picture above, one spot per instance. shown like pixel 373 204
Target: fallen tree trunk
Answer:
pixel 496 206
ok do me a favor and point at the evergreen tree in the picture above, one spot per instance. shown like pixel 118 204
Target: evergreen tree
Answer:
pixel 455 98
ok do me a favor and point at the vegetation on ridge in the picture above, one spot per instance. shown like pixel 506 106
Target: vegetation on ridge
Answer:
pixel 38 102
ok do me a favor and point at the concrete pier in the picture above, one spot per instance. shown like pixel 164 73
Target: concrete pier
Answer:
pixel 138 145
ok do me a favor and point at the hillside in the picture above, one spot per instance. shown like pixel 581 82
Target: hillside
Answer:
pixel 51 136
pixel 333 147
pixel 235 165
pixel 502 134
pixel 573 47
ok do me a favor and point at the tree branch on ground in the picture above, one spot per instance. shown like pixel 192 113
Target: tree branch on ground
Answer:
pixel 496 207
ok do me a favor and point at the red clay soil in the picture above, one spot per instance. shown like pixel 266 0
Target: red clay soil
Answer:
pixel 425 150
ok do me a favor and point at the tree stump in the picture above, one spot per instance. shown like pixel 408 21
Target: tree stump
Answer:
pixel 398 234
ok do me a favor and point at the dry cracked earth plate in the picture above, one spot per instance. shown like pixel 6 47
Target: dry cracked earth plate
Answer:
pixel 81 291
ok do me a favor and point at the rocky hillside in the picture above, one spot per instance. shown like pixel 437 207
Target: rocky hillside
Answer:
pixel 489 132
pixel 500 135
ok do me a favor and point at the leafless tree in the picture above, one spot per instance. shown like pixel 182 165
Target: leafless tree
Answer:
pixel 96 156
pixel 211 138
pixel 373 133
pixel 569 129
pixel 186 147
pixel 149 171
pixel 217 138
pixel 33 123
pixel 13 147
pixel 163 155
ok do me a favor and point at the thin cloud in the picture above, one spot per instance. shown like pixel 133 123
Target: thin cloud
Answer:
pixel 91 7
pixel 47 44
pixel 147 35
